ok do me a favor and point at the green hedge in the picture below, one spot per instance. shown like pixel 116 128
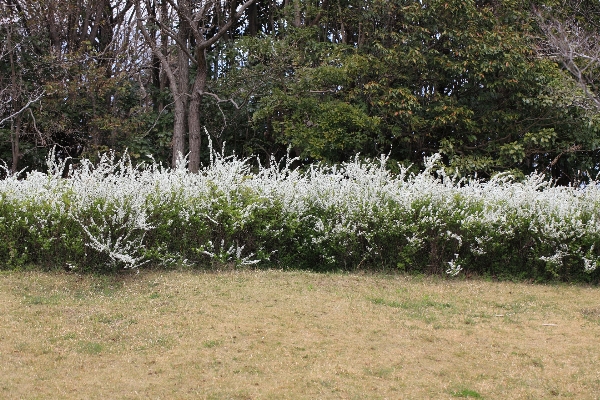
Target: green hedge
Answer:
pixel 356 215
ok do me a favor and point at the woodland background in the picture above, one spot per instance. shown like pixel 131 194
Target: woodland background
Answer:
pixel 492 86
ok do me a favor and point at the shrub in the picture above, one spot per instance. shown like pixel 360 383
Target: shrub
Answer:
pixel 114 215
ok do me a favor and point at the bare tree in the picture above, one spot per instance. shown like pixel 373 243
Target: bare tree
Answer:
pixel 15 96
pixel 48 51
pixel 577 48
pixel 195 28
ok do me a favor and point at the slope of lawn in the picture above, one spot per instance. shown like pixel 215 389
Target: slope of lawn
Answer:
pixel 290 334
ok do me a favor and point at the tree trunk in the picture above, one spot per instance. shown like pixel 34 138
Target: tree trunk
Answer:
pixel 194 111
pixel 15 126
pixel 252 17
pixel 156 70
pixel 15 135
pixel 297 14
pixel 177 142
pixel 52 29
pixel 181 98
pixel 163 78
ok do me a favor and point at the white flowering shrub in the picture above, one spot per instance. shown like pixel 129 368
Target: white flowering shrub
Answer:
pixel 114 215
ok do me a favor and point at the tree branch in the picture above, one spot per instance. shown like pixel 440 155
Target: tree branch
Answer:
pixel 30 101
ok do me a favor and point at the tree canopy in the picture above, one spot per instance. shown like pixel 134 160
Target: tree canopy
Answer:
pixel 487 84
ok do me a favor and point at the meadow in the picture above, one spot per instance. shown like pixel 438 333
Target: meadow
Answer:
pixel 258 334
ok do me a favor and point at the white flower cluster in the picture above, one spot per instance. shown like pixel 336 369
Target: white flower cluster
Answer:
pixel 348 211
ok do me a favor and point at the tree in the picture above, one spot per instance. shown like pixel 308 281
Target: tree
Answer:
pixel 83 56
pixel 570 36
pixel 412 78
pixel 574 41
pixel 485 83
pixel 194 28
pixel 16 94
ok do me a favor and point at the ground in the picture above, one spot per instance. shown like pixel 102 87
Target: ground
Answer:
pixel 289 334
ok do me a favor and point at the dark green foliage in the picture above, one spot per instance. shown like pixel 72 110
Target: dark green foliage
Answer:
pixel 468 79
pixel 455 77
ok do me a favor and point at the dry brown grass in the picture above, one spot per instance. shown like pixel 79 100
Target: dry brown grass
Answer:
pixel 272 335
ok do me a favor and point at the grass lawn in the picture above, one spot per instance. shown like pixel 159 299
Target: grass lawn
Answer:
pixel 279 335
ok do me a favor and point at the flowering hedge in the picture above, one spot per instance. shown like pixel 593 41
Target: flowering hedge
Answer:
pixel 356 215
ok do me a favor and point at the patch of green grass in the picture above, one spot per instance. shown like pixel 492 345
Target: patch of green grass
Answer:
pixel 380 372
pixel 209 344
pixel 41 299
pixel 413 305
pixel 384 302
pixel 466 393
pixel 107 318
pixel 65 337
pixel 90 347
